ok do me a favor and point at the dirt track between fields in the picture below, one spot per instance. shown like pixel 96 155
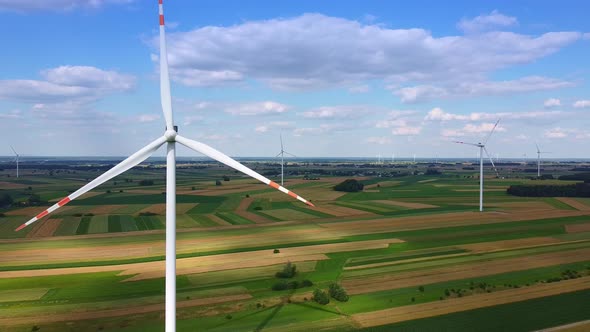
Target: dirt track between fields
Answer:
pixel 408 205
pixel 242 211
pixel 577 228
pixel 574 203
pixel 374 283
pixel 405 313
pixel 82 315
pixel 45 228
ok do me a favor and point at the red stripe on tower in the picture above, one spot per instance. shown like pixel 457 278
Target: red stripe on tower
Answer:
pixel 160 2
pixel 63 201
pixel 161 19
pixel 42 214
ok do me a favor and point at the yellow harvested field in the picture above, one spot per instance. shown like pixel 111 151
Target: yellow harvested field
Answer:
pixel 369 284
pixel 509 244
pixel 446 220
pixel 104 209
pixel 577 228
pixel 583 326
pixel 29 294
pixel 410 312
pixel 218 220
pixel 185 265
pixel 126 311
pixel 44 228
pixel 408 205
pixel 574 203
pixel 183 208
pixel 33 211
pixel 155 208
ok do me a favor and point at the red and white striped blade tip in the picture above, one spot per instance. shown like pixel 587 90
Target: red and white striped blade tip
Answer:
pixel 309 203
pixel 20 227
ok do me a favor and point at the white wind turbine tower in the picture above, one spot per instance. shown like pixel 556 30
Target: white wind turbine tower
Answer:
pixel 393 158
pixel 170 138
pixel 282 154
pixel 539 152
pixel 482 148
pixel 17 159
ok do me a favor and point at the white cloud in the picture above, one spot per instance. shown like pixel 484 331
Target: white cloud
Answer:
pixel 359 89
pixel 582 104
pixel 148 117
pixel 273 125
pixel 321 129
pixel 55 5
pixel 330 112
pixel 452 133
pixel 406 131
pixel 437 114
pixel 556 133
pixel 522 137
pixel 391 123
pixel 314 51
pixel 552 102
pixel 190 119
pixel 12 114
pixel 382 140
pixel 67 83
pixel 481 128
pixel 486 22
pixel 257 108
pixel 480 88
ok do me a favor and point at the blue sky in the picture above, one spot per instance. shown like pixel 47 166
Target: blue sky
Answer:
pixel 80 77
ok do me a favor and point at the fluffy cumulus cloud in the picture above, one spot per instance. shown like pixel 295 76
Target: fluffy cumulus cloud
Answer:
pixel 55 5
pixel 381 140
pixel 314 51
pixel 491 21
pixel 552 102
pixel 582 104
pixel 66 83
pixel 556 133
pixel 406 131
pixel 257 108
pixel 345 111
pixel 437 114
pixel 482 88
pixel 263 128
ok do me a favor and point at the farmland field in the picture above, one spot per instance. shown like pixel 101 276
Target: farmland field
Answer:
pixel 412 251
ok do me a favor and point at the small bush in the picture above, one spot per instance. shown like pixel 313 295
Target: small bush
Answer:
pixel 349 185
pixel 289 271
pixel 337 292
pixel 217 183
pixel 147 214
pixel 279 286
pixel 258 208
pixel 306 283
pixel 321 297
pixel 228 317
pixel 88 214
pixel 276 251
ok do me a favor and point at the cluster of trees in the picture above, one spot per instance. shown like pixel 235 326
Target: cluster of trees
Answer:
pixel 337 292
pixel 577 177
pixel 5 200
pixel 432 171
pixel 569 190
pixel 321 297
pixel 294 284
pixel 146 182
pixel 289 271
pixel 349 185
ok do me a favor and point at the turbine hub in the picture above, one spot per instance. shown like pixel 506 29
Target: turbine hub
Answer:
pixel 170 135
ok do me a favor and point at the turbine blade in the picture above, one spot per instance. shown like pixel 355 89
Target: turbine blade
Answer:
pixel 458 142
pixel 13 150
pixel 165 96
pixel 493 165
pixel 538 151
pixel 491 132
pixel 123 166
pixel 281 136
pixel 222 158
pixel 278 155
pixel 292 155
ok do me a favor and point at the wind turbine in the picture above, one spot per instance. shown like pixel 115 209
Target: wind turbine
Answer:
pixel 282 154
pixel 17 159
pixel 393 158
pixel 170 138
pixel 539 152
pixel 482 148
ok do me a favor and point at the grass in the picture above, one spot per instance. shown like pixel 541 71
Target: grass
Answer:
pixel 540 313
pixel 288 214
pixel 99 224
pixel 233 218
pixel 83 226
pixel 148 223
pixel 68 226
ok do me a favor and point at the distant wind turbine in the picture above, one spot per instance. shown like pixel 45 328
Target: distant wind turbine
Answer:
pixel 482 148
pixel 16 159
pixel 539 152
pixel 282 154
pixel 170 138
